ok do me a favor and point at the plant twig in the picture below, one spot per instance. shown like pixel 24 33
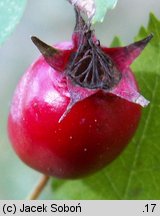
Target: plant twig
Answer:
pixel 39 188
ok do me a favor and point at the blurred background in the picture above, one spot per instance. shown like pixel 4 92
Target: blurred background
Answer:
pixel 52 21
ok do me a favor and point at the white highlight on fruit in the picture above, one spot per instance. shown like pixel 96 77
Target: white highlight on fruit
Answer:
pixel 53 97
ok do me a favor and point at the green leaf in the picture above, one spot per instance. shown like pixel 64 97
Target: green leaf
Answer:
pixel 102 6
pixel 116 42
pixel 136 173
pixel 10 14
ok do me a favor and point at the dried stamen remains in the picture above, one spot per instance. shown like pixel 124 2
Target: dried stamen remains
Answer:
pixel 90 67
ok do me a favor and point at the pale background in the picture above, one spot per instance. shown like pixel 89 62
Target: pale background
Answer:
pixel 52 21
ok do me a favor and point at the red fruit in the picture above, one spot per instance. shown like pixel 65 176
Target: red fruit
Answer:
pixel 66 124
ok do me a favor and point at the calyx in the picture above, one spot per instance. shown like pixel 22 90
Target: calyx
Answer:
pixel 88 67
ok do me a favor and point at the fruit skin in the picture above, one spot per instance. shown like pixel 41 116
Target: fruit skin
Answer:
pixel 92 134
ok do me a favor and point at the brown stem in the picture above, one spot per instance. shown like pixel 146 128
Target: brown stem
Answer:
pixel 39 188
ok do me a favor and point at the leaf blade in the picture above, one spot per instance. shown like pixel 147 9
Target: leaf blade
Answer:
pixel 102 6
pixel 10 13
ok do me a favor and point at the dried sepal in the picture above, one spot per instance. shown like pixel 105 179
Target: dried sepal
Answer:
pixel 124 56
pixel 53 56
pixel 127 90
